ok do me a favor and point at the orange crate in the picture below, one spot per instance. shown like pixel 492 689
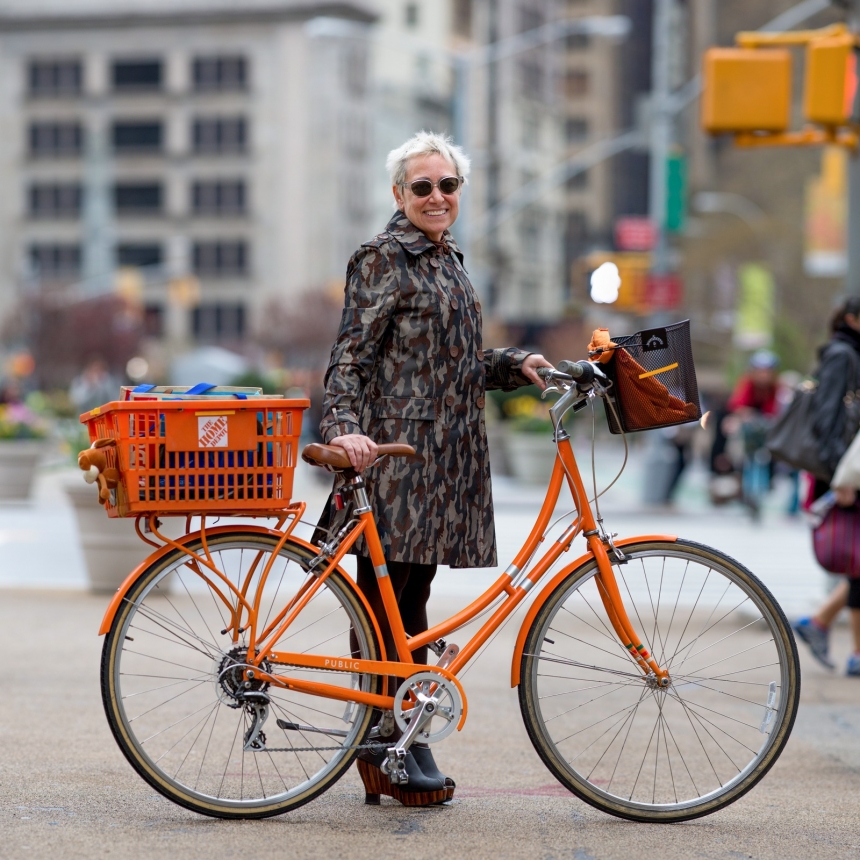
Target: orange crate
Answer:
pixel 199 456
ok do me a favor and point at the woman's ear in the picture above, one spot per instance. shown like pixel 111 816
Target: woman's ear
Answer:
pixel 395 189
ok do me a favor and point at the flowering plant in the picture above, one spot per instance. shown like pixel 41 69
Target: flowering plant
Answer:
pixel 528 414
pixel 18 421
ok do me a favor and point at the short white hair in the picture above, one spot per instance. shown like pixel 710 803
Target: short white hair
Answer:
pixel 425 143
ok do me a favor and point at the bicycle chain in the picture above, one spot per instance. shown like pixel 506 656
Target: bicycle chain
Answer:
pixel 376 747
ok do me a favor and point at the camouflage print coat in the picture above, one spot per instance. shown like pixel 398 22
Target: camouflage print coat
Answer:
pixel 408 366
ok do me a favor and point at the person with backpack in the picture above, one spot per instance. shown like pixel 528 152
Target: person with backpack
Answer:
pixel 838 374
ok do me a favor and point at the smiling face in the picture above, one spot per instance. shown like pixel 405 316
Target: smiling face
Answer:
pixel 436 213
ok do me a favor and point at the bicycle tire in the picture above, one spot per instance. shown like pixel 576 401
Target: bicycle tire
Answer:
pixel 721 724
pixel 167 684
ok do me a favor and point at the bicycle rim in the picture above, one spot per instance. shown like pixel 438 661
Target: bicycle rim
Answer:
pixel 169 687
pixel 619 741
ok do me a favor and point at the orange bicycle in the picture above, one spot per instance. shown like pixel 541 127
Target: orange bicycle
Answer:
pixel 243 670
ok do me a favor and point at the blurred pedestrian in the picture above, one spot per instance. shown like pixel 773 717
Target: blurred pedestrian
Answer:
pixel 839 373
pixel 94 386
pixel 408 365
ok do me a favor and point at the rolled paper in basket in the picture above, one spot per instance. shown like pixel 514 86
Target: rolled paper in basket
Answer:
pixel 654 405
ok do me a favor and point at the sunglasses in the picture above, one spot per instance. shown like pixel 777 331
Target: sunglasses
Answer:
pixel 424 187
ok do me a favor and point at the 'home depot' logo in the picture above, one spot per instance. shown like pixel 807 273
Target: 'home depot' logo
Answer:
pixel 212 431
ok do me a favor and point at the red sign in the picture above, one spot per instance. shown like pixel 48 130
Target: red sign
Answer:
pixel 634 233
pixel 663 292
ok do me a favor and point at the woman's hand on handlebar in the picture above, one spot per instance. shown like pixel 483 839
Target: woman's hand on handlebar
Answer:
pixel 361 450
pixel 530 367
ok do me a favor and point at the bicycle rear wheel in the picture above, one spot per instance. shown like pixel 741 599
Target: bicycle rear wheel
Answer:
pixel 629 747
pixel 169 689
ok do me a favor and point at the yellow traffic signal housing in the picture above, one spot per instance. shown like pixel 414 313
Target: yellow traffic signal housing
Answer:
pixel 746 90
pixel 831 81
pixel 633 268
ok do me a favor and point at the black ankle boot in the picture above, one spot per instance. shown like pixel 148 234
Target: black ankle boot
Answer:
pixel 424 758
pixel 420 790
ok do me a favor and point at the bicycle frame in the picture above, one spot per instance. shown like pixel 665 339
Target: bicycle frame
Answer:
pixel 511 584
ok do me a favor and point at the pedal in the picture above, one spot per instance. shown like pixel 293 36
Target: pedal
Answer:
pixel 395 766
pixel 448 655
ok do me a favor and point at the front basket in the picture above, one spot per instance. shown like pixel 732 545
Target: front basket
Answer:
pixel 654 380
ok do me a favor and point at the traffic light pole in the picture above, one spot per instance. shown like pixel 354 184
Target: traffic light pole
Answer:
pixel 852 277
pixel 661 118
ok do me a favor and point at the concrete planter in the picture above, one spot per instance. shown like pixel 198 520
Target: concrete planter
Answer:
pixel 531 456
pixel 19 459
pixel 111 548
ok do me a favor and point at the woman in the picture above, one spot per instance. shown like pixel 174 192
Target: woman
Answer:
pixel 408 365
pixel 838 374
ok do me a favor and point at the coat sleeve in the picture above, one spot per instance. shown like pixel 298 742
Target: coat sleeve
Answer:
pixel 372 295
pixel 503 368
pixel 834 377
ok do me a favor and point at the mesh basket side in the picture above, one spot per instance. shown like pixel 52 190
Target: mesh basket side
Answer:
pixel 654 380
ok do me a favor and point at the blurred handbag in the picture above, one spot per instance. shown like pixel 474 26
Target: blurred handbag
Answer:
pixel 836 541
pixel 792 437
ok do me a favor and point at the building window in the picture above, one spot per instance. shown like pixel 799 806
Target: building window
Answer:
pixel 153 320
pixel 578 181
pixel 55 78
pixel 530 235
pixel 530 19
pixel 220 136
pixel 576 83
pixel 137 75
pixel 575 129
pixel 578 41
pixel 217 74
pixel 137 137
pixel 217 321
pixel 139 255
pixel 410 15
pixel 219 198
pixel 51 260
pixel 531 129
pixel 576 229
pixel 220 259
pixel 56 139
pixel 531 78
pixel 138 198
pixel 463 18
pixel 55 200
pixel 354 69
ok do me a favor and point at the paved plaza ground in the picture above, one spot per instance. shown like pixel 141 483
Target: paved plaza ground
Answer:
pixel 67 792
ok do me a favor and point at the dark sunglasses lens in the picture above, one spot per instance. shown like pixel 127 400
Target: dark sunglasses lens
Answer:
pixel 449 184
pixel 422 187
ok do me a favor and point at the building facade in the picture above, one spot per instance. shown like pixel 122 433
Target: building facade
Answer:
pixel 217 154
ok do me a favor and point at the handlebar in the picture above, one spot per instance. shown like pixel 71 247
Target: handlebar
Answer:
pixel 582 371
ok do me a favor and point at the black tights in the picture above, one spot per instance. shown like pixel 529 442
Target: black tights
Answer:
pixel 411 583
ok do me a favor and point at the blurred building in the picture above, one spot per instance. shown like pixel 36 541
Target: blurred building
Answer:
pixel 217 151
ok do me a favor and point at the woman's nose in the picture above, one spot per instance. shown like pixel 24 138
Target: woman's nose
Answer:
pixel 436 196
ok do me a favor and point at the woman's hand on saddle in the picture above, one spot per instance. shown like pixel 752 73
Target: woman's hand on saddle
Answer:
pixel 361 450
pixel 530 366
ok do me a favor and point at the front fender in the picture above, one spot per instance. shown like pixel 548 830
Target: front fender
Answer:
pixel 551 586
pixel 162 551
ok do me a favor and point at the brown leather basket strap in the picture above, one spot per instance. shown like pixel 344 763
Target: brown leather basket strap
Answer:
pixel 329 455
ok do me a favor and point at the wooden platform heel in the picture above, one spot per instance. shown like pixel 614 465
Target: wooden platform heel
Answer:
pixel 376 783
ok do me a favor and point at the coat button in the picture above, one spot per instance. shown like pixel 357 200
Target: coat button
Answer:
pixel 480 355
pixel 478 307
pixel 454 351
pixel 434 262
pixel 449 400
pixel 455 304
pixel 480 402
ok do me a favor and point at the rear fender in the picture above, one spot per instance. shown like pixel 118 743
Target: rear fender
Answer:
pixel 551 586
pixel 117 599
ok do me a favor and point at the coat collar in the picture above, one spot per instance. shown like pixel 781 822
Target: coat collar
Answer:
pixel 413 239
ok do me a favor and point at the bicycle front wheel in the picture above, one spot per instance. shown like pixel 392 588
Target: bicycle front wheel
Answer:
pixel 616 738
pixel 174 687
